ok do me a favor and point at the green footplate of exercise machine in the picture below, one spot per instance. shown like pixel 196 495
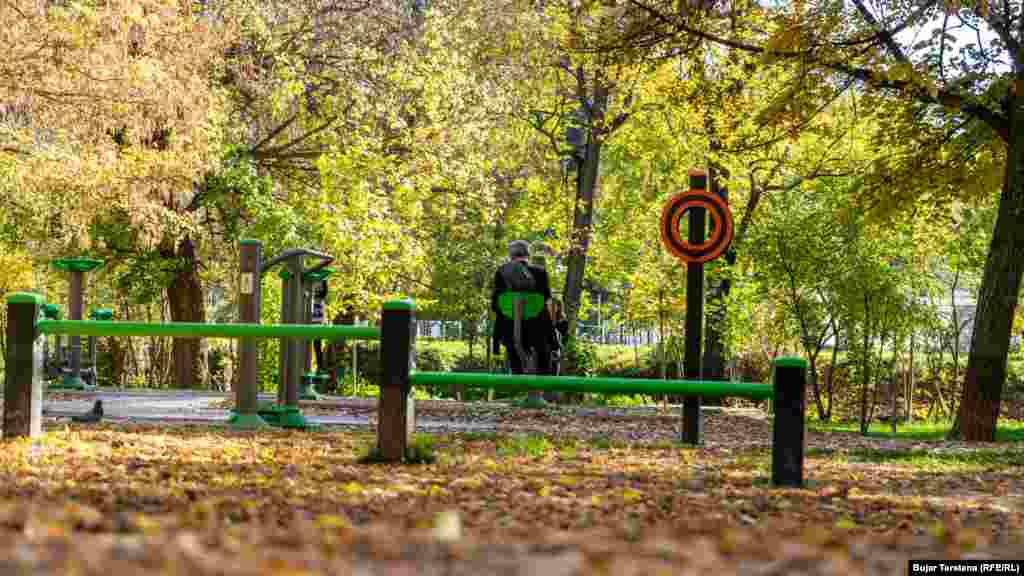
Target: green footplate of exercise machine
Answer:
pixel 281 416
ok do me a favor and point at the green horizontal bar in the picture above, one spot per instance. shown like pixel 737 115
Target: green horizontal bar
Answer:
pixel 203 330
pixel 705 388
pixel 791 362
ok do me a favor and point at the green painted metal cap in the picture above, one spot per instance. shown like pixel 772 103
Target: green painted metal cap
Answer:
pixel 25 298
pixel 102 314
pixel 791 362
pixel 400 305
pixel 249 242
pixel 76 264
pixel 52 311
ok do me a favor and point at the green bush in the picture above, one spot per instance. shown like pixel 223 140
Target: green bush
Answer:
pixel 581 358
pixel 268 368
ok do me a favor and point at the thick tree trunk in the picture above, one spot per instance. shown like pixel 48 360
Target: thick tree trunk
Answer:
pixel 583 215
pixel 185 295
pixel 997 301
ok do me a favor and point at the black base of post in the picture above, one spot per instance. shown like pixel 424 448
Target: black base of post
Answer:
pixel 691 420
pixel 788 429
pixel 23 382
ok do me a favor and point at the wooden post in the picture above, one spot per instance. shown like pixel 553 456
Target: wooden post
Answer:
pixel 396 417
pixel 788 428
pixel 23 382
pixel 694 316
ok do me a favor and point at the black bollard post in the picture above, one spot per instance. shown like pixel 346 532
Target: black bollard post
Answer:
pixel 396 418
pixel 250 255
pixel 788 429
pixel 23 382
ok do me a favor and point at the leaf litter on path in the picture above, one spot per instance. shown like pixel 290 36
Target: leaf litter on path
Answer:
pixel 552 492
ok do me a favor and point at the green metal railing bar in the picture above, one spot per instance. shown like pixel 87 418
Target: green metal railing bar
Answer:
pixel 203 330
pixel 705 388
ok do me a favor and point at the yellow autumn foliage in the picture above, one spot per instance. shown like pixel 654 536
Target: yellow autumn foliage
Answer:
pixel 79 76
pixel 15 272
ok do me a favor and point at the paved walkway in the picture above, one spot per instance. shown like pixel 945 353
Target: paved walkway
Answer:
pixel 199 406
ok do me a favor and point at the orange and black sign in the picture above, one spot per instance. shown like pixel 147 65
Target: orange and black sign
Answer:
pixel 720 231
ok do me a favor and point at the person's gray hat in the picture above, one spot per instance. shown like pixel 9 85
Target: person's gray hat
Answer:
pixel 518 249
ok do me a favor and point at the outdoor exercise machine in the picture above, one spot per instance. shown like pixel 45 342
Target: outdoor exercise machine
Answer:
pixel 57 365
pixel 293 361
pixel 27 331
pixel 311 281
pixel 65 367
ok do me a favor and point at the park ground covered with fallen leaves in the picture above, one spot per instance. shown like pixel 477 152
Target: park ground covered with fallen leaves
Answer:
pixel 551 491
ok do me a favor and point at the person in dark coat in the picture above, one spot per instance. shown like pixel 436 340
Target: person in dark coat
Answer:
pixel 536 330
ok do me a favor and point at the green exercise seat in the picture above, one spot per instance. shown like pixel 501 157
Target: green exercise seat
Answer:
pixel 532 306
pixel 76 264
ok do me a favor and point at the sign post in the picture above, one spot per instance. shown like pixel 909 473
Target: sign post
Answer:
pixel 699 247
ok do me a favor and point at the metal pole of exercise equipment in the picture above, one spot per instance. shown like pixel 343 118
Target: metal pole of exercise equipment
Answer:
pixel 250 255
pixel 75 306
pixel 283 349
pixel 293 300
pixel 307 389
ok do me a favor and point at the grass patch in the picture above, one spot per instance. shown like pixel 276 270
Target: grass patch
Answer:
pixel 605 443
pixel 753 461
pixel 420 451
pixel 524 445
pixel 568 452
pixel 1008 431
pixel 932 459
pixel 479 436
pixel 937 460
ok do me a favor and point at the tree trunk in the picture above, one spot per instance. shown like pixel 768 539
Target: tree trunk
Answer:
pixel 714 349
pixel 911 381
pixel 997 301
pixel 830 381
pixel 813 361
pixel 892 391
pixel 583 215
pixel 185 295
pixel 865 375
